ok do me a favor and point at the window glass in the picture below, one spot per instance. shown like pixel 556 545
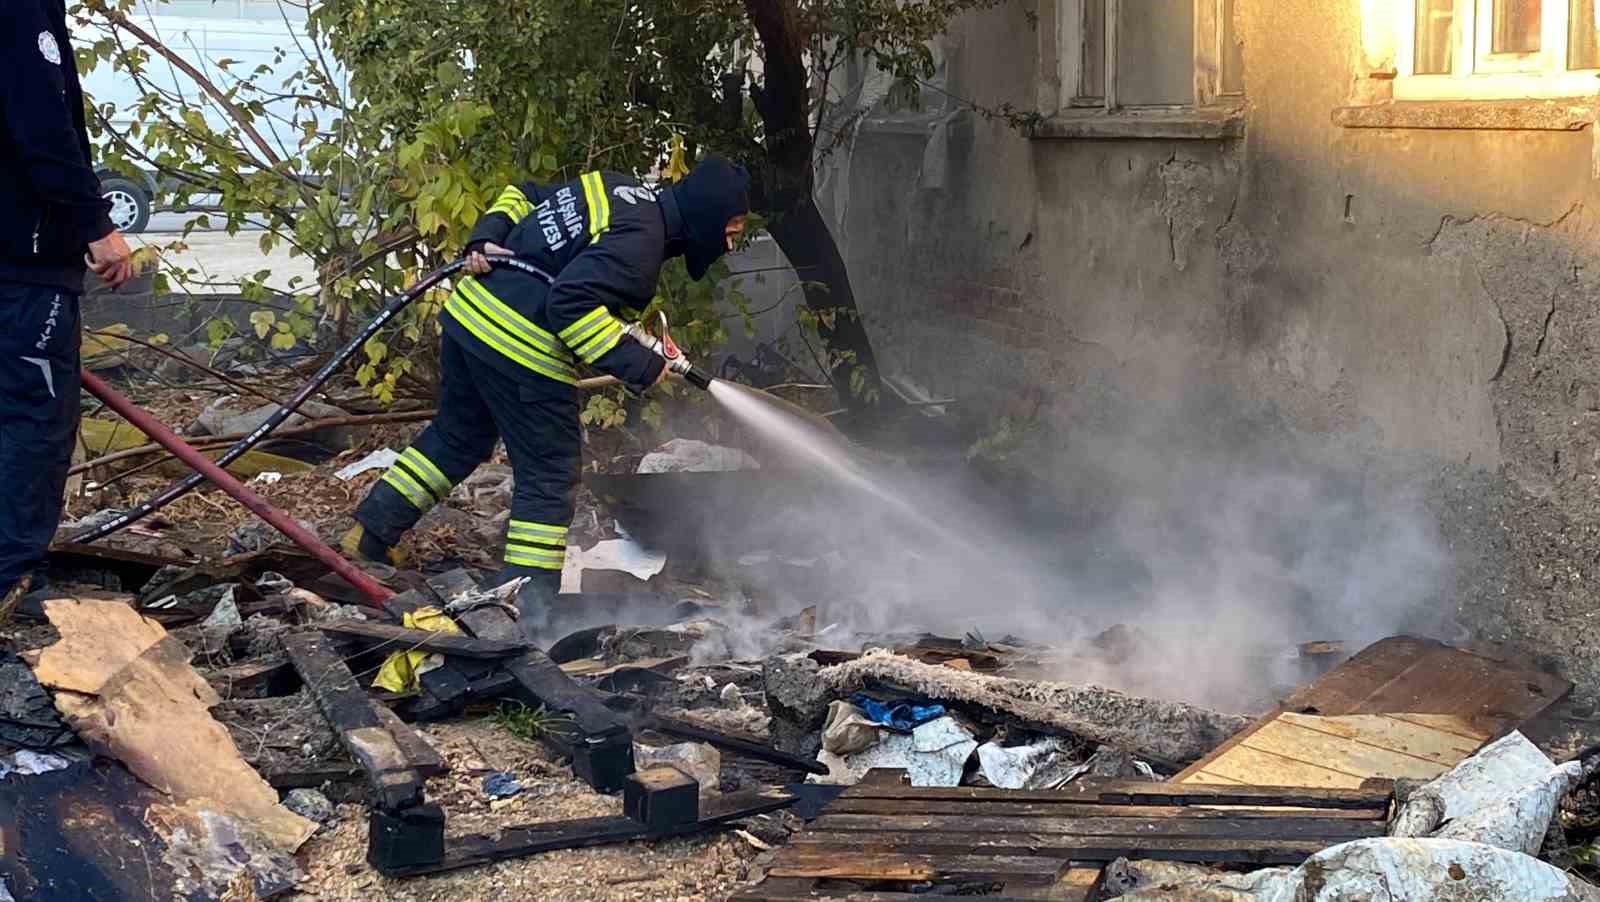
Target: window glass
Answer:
pixel 1583 36
pixel 1516 26
pixel 1435 37
pixel 1155 53
pixel 1232 52
pixel 1094 48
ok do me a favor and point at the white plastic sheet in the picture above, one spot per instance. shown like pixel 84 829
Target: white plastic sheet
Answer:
pixel 934 754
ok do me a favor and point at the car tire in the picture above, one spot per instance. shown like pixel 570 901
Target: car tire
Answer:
pixel 130 203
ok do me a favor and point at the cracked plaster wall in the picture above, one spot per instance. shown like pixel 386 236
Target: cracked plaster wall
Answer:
pixel 1427 294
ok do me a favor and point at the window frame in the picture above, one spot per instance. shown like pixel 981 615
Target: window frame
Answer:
pixel 1071 33
pixel 1479 74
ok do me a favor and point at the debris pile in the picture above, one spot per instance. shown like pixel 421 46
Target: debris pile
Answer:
pixel 240 720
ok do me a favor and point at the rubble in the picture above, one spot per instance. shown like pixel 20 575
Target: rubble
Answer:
pixel 128 691
pixel 847 729
pixel 1044 764
pixel 1171 732
pixel 1389 870
pixel 933 754
pixel 697 760
pixel 309 804
pixel 682 455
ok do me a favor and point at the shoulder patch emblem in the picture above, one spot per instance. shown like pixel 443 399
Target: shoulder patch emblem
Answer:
pixel 49 47
pixel 633 194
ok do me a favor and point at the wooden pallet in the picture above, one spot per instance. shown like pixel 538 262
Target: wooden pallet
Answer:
pixel 1403 707
pixel 879 836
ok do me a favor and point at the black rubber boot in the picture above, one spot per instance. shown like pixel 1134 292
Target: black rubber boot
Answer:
pixel 536 597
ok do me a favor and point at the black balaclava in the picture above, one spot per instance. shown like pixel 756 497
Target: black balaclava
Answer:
pixel 713 192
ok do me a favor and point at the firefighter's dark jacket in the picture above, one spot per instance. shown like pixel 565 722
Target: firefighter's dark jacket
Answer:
pixel 50 204
pixel 603 237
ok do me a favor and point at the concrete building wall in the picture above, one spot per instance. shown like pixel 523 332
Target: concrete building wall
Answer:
pixel 1426 294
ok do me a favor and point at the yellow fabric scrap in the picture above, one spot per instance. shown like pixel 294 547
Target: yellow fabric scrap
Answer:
pixel 400 672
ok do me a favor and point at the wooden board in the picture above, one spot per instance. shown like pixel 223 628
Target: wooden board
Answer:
pixel 817 861
pixel 881 832
pixel 1255 851
pixel 519 841
pixel 1402 707
pixel 379 635
pixel 391 779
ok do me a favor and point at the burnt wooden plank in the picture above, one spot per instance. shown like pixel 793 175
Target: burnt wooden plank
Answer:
pixel 808 889
pixel 1205 794
pixel 310 776
pixel 543 678
pixel 1197 849
pixel 519 841
pixel 767 893
pixel 391 779
pixel 1004 808
pixel 369 634
pixel 747 747
pixel 255 679
pixel 1127 792
pixel 1234 828
pixel 424 757
pixel 1407 675
pixel 849 864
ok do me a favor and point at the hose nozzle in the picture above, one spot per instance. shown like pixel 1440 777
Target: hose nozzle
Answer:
pixel 668 350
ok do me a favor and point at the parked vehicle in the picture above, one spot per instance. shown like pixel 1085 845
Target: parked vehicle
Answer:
pixel 226 40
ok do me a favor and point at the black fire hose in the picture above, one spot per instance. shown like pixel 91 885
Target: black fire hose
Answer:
pixel 238 449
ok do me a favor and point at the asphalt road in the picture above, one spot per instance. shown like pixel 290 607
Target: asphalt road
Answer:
pixel 217 258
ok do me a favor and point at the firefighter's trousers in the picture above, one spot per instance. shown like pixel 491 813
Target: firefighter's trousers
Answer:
pixel 537 418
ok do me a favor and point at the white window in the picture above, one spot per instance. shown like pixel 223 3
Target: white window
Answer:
pixel 1495 49
pixel 1172 55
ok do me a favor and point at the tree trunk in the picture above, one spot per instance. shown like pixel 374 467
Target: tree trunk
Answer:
pixel 804 237
pixel 784 189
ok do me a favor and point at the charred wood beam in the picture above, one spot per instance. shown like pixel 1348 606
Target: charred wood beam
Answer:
pixel 747 747
pixel 393 782
pixel 517 842
pixel 594 737
pixel 367 635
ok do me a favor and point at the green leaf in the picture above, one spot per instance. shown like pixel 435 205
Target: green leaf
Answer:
pixel 262 320
pixel 282 341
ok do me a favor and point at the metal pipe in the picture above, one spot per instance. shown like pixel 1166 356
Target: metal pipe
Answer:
pixel 375 592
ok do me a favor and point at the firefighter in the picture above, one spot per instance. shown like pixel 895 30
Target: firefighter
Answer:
pixel 53 222
pixel 512 346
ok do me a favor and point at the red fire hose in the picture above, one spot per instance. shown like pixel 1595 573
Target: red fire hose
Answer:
pixel 376 593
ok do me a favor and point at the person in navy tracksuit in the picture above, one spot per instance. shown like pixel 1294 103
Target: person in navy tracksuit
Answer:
pixel 53 223
pixel 512 346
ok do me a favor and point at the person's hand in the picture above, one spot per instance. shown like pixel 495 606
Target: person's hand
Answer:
pixel 478 262
pixel 665 372
pixel 111 259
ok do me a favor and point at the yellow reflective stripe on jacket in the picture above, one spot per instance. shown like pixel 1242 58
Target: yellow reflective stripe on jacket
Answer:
pixel 585 324
pixel 593 335
pixel 513 203
pixel 594 193
pixel 414 493
pixel 604 340
pixel 431 475
pixel 513 322
pixel 497 339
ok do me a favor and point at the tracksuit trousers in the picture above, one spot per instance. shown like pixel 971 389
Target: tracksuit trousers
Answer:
pixel 38 420
pixel 537 418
